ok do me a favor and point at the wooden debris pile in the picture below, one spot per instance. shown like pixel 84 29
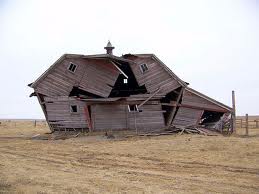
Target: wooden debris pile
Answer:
pixel 192 130
pixel 179 130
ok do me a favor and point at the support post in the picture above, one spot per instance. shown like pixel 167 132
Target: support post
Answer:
pixel 135 122
pixel 256 124
pixel 88 118
pixel 233 112
pixel 44 111
pixel 171 115
pixel 247 124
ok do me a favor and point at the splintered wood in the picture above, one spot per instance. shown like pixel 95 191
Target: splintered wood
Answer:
pixel 192 130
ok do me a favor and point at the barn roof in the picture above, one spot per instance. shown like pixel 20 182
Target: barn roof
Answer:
pixel 170 72
pixel 111 57
pixel 209 99
pixel 124 58
pixel 69 56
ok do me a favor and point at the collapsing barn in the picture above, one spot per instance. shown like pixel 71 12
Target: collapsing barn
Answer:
pixel 134 92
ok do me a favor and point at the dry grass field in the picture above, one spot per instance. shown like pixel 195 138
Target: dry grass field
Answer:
pixel 93 164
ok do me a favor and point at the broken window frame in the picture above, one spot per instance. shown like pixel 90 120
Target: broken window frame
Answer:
pixel 72 67
pixel 72 110
pixel 143 68
pixel 135 109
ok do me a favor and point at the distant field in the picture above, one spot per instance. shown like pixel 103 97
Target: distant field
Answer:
pixel 252 117
pixel 94 164
pixel 19 127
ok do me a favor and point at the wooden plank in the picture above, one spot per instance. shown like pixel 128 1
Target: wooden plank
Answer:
pixel 200 117
pixel 171 114
pixel 233 114
pixel 124 74
pixel 187 116
pixel 148 98
pixel 44 110
pixel 156 76
pixel 202 108
pixel 88 118
pixel 247 125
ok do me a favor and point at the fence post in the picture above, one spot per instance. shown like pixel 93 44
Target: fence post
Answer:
pixel 246 124
pixel 35 123
pixel 233 112
pixel 256 124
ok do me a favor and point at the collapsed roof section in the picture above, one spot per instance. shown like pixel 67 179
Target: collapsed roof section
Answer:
pixel 105 69
pixel 195 107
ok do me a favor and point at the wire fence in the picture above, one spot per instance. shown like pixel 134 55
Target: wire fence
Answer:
pixel 252 124
pixel 247 125
pixel 16 123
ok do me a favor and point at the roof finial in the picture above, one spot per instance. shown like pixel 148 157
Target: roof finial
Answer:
pixel 109 48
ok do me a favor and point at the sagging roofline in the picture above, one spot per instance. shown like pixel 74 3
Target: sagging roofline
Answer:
pixel 209 99
pixel 73 56
pixel 173 75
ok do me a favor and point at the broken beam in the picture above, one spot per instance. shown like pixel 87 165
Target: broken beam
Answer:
pixel 171 115
pixel 88 118
pixel 149 98
pixel 119 70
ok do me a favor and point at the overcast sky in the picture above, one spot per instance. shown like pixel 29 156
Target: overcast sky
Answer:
pixel 211 44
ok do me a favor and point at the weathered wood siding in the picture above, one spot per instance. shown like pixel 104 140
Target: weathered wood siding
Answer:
pixel 59 114
pixel 151 118
pixel 99 76
pixel 155 77
pixel 60 81
pixel 91 75
pixel 197 101
pixel 187 117
pixel 105 117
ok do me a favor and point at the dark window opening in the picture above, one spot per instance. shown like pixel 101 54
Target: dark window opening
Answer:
pixel 122 89
pixel 72 67
pixel 210 118
pixel 73 108
pixel 143 67
pixel 172 96
pixel 77 92
pixel 133 108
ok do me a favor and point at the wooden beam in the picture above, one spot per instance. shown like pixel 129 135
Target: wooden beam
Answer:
pixel 88 118
pixel 119 70
pixel 44 111
pixel 247 124
pixel 197 123
pixel 173 103
pixel 202 108
pixel 149 98
pixel 153 102
pixel 256 123
pixel 172 113
pixel 233 114
pixel 168 104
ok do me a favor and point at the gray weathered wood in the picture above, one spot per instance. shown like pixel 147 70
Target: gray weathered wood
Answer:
pixel 247 124
pixel 149 98
pixel 171 115
pixel 233 114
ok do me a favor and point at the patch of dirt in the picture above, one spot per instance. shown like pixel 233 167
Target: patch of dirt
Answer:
pixel 95 164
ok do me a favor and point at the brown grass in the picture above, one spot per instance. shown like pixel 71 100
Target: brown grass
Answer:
pixel 164 164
